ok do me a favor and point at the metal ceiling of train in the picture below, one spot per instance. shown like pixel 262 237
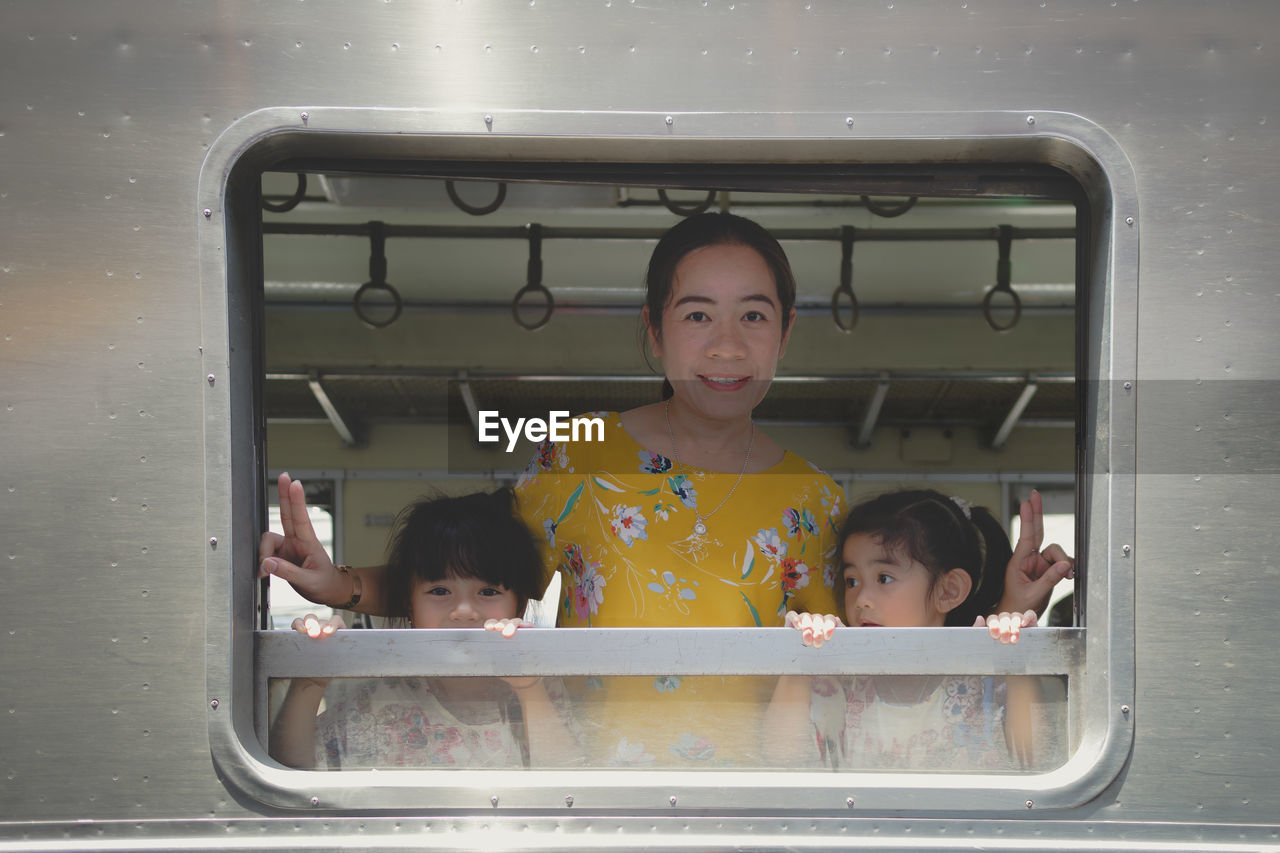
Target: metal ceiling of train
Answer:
pixel 927 257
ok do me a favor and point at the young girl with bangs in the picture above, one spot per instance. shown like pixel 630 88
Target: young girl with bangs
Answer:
pixel 914 559
pixel 460 562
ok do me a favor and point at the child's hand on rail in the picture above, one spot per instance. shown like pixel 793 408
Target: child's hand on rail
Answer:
pixel 815 628
pixel 316 628
pixel 1006 626
pixel 508 627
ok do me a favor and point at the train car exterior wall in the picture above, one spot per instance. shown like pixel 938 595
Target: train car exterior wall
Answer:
pixel 110 372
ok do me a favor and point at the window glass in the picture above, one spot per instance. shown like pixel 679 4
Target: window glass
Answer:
pixel 394 317
pixel 886 723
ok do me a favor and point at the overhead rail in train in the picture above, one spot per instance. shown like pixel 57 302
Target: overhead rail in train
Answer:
pixel 535 233
pixel 377 282
pixel 864 412
pixel 883 209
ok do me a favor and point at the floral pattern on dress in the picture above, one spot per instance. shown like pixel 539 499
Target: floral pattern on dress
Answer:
pixel 669 583
pixel 770 543
pixel 798 520
pixel 960 725
pixel 653 463
pixel 628 524
pixel 830 574
pixel 691 747
pixel 682 488
pixel 795 574
pixel 628 754
pixel 968 710
pixel 586 589
pixel 399 722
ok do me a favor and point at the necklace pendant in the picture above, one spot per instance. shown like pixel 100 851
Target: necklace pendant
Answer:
pixel 700 528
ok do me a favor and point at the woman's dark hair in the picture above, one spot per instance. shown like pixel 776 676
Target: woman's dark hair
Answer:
pixel 934 530
pixel 713 229
pixel 478 536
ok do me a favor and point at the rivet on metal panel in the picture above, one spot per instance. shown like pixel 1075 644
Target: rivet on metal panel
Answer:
pixel 849 802
pixel 210 378
pixel 213 703
pixel 670 121
pixel 213 541
pixel 568 801
pixel 306 117
pixel 488 121
pixel 1124 709
pixel 1128 386
pixel 315 801
pixel 672 800
pixel 1126 550
pixel 1031 120
pixel 849 121
pixel 493 801
pixel 1031 803
pixel 1128 220
pixel 208 214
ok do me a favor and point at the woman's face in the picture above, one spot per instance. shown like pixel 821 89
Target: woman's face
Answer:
pixel 722 330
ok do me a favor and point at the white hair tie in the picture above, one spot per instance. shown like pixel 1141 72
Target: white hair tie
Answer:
pixel 964 505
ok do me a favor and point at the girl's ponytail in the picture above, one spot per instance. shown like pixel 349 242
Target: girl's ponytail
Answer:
pixel 996 555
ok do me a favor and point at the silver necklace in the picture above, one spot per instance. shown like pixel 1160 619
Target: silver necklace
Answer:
pixel 700 526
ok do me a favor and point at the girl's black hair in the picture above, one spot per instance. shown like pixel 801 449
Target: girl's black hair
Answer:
pixel 933 530
pixel 478 536
pixel 713 229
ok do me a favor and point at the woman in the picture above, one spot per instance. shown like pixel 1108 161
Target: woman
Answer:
pixel 686 514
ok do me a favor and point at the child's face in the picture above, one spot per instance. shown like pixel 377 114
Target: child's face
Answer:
pixel 886 589
pixel 460 602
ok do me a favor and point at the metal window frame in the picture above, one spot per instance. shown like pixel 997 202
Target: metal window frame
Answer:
pixel 1100 663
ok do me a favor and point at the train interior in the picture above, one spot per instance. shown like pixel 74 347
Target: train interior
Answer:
pixel 936 343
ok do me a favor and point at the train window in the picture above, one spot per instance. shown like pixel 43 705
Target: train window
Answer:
pixel 889 723
pixel 922 262
pixel 950 331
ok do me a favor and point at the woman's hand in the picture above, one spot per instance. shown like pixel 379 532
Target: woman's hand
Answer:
pixel 1005 626
pixel 815 628
pixel 1032 573
pixel 298 556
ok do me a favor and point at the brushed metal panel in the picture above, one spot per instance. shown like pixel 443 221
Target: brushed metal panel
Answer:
pixel 96 95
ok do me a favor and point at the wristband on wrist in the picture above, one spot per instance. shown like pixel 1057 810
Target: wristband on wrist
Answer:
pixel 356 587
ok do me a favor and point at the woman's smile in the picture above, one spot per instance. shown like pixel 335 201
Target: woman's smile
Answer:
pixel 725 383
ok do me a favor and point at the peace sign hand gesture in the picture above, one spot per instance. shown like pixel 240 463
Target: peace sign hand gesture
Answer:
pixel 1032 572
pixel 298 556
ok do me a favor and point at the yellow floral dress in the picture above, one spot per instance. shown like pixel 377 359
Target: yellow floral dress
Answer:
pixel 618 523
